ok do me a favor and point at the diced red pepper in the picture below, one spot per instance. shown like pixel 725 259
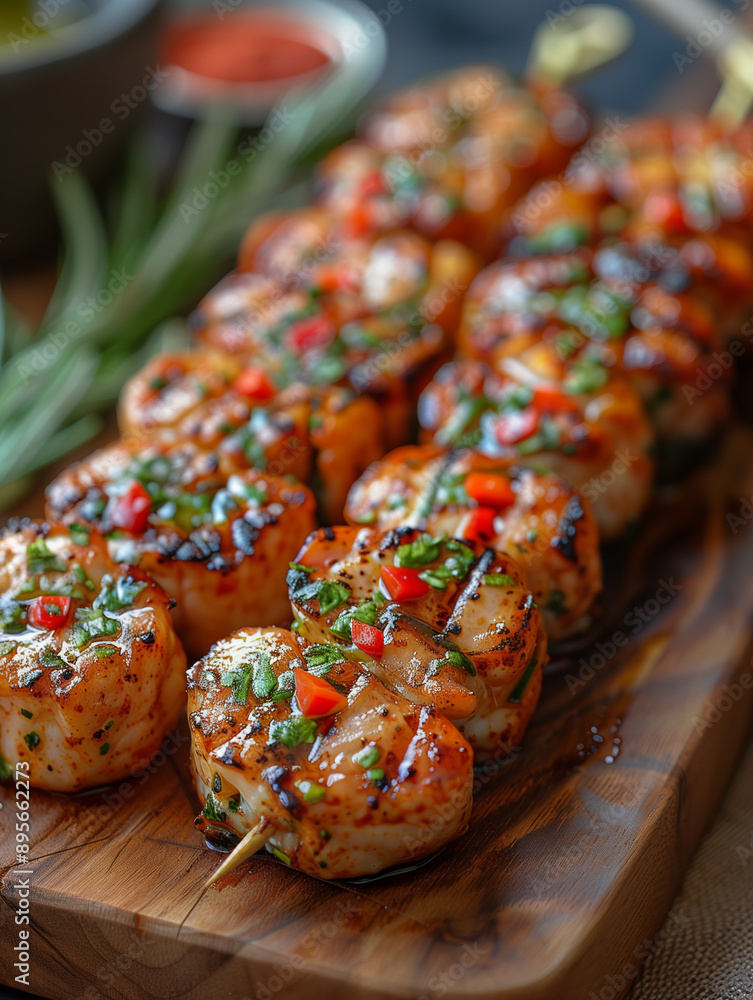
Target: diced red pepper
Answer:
pixel 254 383
pixel 368 638
pixel 489 489
pixel 372 183
pixel 480 525
pixel 403 584
pixel 511 428
pixel 50 612
pixel 548 397
pixel 131 510
pixel 315 696
pixel 664 209
pixel 337 278
pixel 360 219
pixel 310 332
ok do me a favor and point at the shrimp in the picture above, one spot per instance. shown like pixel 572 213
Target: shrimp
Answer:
pixel 442 622
pixel 575 420
pixel 369 781
pixel 213 542
pixel 92 675
pixel 624 307
pixel 241 418
pixel 537 517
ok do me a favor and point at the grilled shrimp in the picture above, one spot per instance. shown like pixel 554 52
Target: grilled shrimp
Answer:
pixel 488 141
pixel 575 420
pixel 341 776
pixel 91 672
pixel 537 517
pixel 212 541
pixel 242 419
pixel 443 623
pixel 626 309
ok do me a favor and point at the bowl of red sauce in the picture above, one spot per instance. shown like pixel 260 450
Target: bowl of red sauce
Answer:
pixel 250 54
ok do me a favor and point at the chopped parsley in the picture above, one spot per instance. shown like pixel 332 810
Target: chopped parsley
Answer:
pixel 498 580
pixel 310 792
pixel 423 550
pixel 212 811
pixel 31 740
pixel 255 674
pixel 91 624
pixel 321 658
pixel 366 757
pixel 79 534
pixel 522 684
pixel 117 595
pixel 293 731
pixel 39 559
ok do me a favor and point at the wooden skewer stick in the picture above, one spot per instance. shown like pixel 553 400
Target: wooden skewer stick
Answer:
pixel 572 45
pixel 734 100
pixel 254 839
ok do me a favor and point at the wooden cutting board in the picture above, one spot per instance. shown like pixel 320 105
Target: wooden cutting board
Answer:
pixel 574 853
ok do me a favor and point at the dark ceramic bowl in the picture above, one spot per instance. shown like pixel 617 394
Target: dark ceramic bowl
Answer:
pixel 69 100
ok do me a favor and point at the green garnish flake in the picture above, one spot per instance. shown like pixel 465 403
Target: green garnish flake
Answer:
pixel 325 835
pixel 52 660
pixel 7 647
pixel 279 854
pixel 212 811
pixel 586 375
pixel 234 804
pixel 117 595
pixel 79 534
pixel 498 580
pixel 321 658
pixel 26 713
pixel 285 687
pixel 367 613
pixel 310 792
pixel 103 749
pixel 293 731
pixel 102 652
pixel 329 593
pixel 110 723
pixel 39 559
pixel 31 740
pixel 556 602
pixel 90 624
pixel 375 774
pixel 366 757
pixel 256 674
pixel 423 550
pixel 520 687
pixel 6 769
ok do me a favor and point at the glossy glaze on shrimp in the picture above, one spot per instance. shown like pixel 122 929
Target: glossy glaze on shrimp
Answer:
pixel 214 543
pixel 443 622
pixel 91 671
pixel 630 308
pixel 374 781
pixel 574 419
pixel 537 517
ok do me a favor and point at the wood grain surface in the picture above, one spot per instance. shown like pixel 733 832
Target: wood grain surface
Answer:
pixel 574 853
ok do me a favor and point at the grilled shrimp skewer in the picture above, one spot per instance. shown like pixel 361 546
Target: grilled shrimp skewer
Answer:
pixel 442 623
pixel 91 672
pixel 311 754
pixel 212 541
pixel 537 517
pixel 575 420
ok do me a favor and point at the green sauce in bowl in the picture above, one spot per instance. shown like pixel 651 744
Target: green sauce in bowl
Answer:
pixel 25 21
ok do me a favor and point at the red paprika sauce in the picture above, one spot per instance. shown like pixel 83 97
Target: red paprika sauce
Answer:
pixel 247 46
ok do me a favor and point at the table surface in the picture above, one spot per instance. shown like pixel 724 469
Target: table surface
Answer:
pixel 705 949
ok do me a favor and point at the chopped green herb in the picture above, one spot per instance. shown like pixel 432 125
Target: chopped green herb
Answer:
pixel 26 713
pixel 31 740
pixel 103 749
pixel 325 835
pixel 367 756
pixel 423 550
pixel 52 660
pixel 110 723
pixel 6 769
pixel 321 658
pixel 119 594
pixel 89 624
pixel 293 731
pixel 498 580
pixel 212 811
pixel 234 804
pixel 102 652
pixel 310 792
pixel 7 647
pixel 375 774
pixel 255 674
pixel 279 854
pixel 39 559
pixel 79 534
pixel 285 686
pixel 522 684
